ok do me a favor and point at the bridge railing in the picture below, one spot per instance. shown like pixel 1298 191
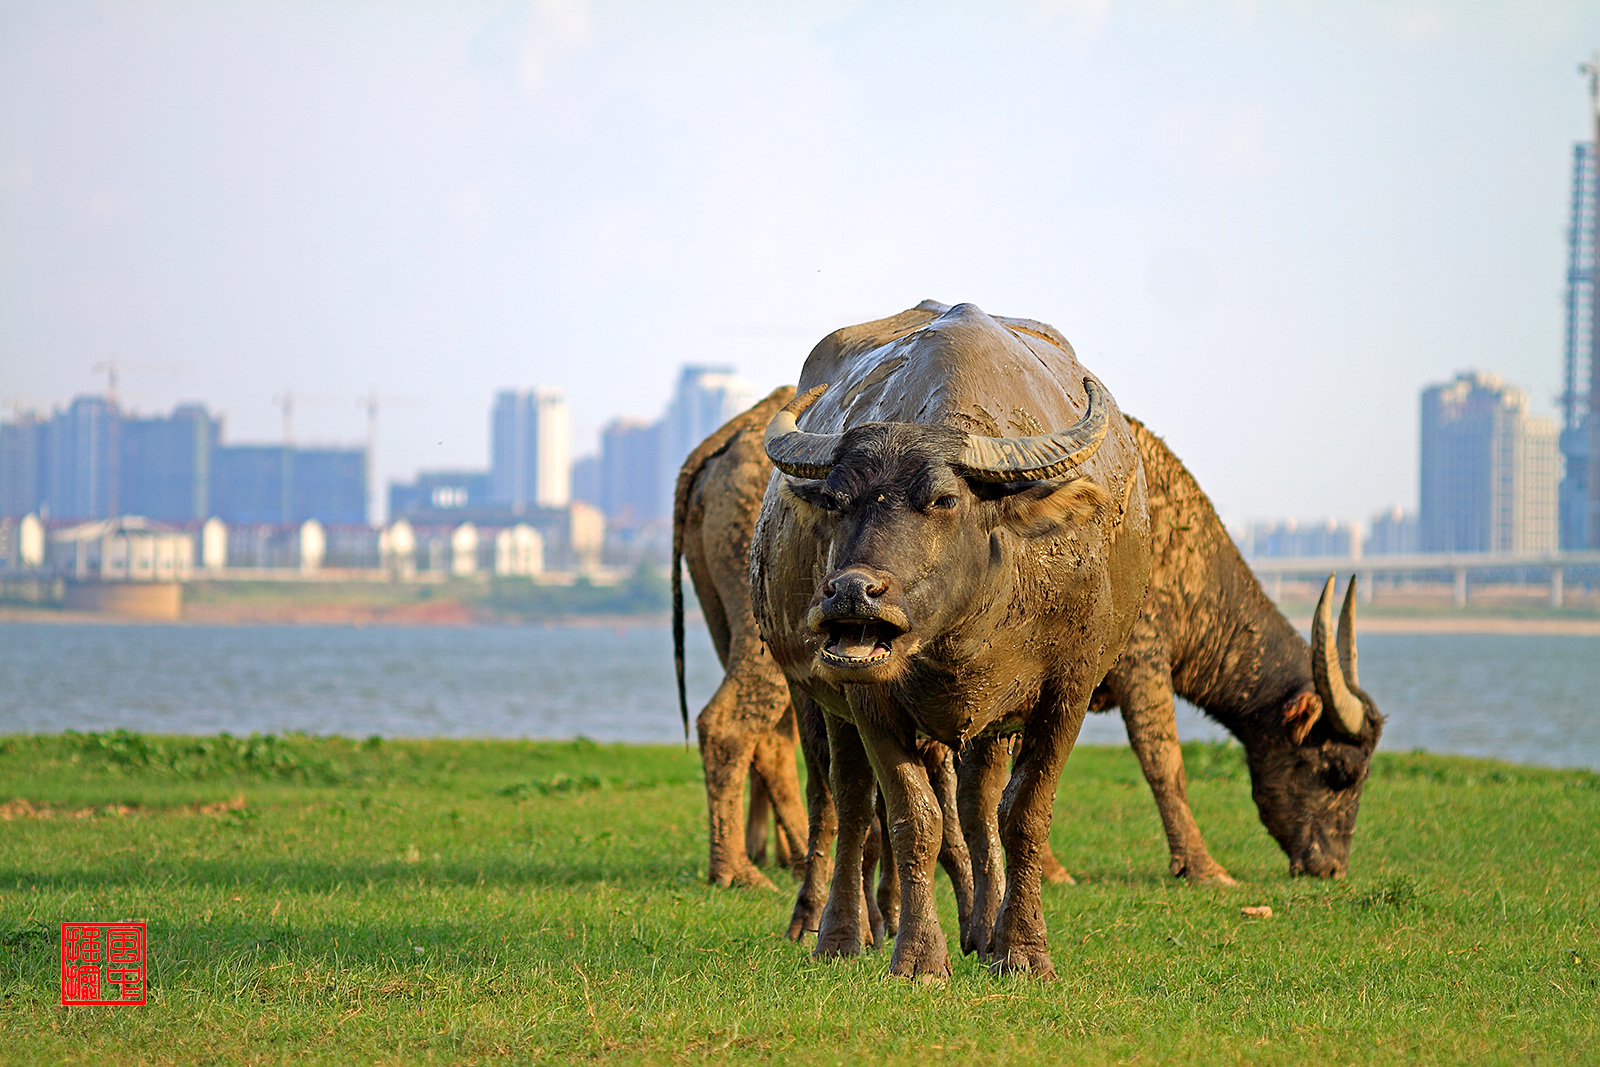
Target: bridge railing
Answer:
pixel 1460 568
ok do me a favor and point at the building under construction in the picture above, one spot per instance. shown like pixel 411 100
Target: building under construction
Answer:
pixel 1580 380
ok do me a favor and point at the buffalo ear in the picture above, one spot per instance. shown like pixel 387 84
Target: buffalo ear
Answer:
pixel 799 494
pixel 1045 506
pixel 1300 715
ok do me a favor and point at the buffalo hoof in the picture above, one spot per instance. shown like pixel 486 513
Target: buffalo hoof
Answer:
pixel 834 947
pixel 1025 959
pixel 802 922
pixel 745 877
pixel 975 939
pixel 1204 871
pixel 1218 878
pixel 921 954
pixel 1055 874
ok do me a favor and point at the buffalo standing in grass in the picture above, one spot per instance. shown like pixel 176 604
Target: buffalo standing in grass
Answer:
pixel 919 570
pixel 1209 634
pixel 749 723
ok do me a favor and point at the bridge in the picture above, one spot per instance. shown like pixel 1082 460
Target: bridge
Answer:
pixel 1461 568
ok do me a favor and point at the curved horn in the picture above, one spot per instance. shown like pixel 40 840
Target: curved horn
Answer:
pixel 1050 455
pixel 793 450
pixel 1346 639
pixel 1326 673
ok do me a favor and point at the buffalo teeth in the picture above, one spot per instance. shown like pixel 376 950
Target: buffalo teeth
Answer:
pixel 852 661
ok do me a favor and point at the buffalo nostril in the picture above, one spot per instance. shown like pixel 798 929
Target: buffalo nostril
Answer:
pixel 877 590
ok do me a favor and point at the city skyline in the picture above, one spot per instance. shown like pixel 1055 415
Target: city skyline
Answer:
pixel 706 396
pixel 1254 222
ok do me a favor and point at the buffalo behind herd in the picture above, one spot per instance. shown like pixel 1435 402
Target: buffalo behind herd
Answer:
pixel 923 567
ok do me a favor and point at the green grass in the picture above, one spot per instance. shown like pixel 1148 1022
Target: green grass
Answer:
pixel 316 900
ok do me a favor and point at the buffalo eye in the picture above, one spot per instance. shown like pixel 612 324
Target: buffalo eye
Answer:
pixel 948 502
pixel 1340 775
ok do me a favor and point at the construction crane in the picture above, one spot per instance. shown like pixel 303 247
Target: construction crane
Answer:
pixel 374 402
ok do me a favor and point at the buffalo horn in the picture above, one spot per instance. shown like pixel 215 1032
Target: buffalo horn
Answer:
pixel 1347 634
pixel 1049 455
pixel 1327 673
pixel 794 451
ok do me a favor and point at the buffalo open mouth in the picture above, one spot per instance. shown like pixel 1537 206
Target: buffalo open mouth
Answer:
pixel 858 642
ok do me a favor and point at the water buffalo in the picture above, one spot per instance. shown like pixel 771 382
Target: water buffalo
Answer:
pixel 1209 633
pixel 935 560
pixel 749 723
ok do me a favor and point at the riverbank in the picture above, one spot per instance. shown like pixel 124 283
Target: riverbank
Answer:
pixel 329 901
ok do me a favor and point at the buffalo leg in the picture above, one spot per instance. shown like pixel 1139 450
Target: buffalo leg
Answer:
pixel 1026 809
pixel 981 775
pixel 839 932
pixel 876 854
pixel 823 820
pixel 888 895
pixel 726 747
pixel 755 822
pixel 916 829
pixel 939 761
pixel 1051 871
pixel 1143 689
pixel 774 765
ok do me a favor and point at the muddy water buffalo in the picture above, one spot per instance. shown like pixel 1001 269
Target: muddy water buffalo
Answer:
pixel 748 727
pixel 1207 633
pixel 957 547
pixel 1210 634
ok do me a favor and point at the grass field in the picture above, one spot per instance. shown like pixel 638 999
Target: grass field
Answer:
pixel 323 900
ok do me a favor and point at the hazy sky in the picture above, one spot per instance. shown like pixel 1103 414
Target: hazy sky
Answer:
pixel 1264 225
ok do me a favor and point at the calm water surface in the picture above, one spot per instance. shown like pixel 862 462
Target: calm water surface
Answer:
pixel 1530 699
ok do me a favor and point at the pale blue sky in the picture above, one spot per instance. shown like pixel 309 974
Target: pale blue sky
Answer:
pixel 1264 225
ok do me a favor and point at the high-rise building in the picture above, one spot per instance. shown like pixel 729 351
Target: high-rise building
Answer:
pixel 530 449
pixel 1489 469
pixel 586 479
pixel 92 461
pixel 630 478
pixel 1580 526
pixel 24 465
pixel 706 397
pixel 277 486
pixel 83 455
pixel 164 471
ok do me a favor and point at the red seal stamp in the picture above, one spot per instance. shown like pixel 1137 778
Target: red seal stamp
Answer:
pixel 102 963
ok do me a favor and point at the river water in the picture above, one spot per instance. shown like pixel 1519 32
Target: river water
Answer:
pixel 1525 698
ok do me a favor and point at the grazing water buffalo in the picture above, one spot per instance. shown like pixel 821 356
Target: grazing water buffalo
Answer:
pixel 1209 633
pixel 749 723
pixel 935 561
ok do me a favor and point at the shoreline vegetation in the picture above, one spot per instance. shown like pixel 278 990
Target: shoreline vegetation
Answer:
pixel 643 600
pixel 327 900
